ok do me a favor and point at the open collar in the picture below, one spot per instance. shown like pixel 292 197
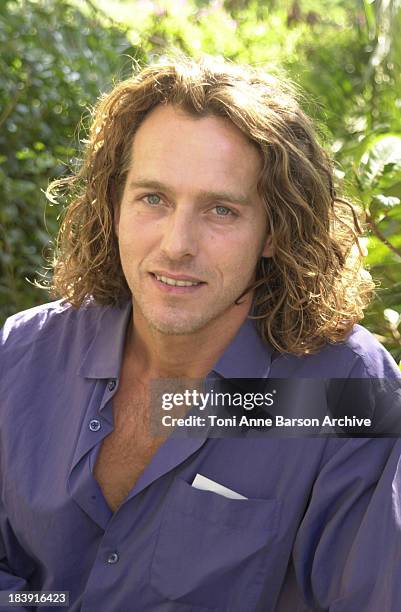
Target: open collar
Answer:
pixel 247 355
pixel 104 356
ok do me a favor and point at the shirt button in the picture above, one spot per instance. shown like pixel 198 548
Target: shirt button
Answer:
pixel 111 385
pixel 94 425
pixel 112 558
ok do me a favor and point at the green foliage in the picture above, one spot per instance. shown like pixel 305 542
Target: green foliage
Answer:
pixel 379 180
pixel 54 63
pixel 57 56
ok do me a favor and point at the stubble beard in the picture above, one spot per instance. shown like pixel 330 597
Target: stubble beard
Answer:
pixel 172 321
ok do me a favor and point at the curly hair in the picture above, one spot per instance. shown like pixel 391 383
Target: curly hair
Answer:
pixel 313 289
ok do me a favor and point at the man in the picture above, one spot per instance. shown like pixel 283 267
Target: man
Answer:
pixel 203 204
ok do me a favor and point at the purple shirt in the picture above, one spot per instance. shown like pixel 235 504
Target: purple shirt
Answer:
pixel 315 520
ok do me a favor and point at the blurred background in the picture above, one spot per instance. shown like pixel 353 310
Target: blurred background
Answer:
pixel 58 56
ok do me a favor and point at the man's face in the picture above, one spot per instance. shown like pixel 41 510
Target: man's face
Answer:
pixel 191 225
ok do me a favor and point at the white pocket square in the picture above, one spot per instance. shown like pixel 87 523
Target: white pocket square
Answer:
pixel 206 484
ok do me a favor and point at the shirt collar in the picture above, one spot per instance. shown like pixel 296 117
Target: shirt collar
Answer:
pixel 247 356
pixel 104 356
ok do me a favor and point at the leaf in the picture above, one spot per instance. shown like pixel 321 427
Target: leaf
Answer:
pixel 386 201
pixel 392 316
pixel 382 157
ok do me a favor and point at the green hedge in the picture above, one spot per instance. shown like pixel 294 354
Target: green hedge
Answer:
pixel 55 61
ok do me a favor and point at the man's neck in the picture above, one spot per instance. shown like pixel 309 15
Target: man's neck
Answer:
pixel 152 354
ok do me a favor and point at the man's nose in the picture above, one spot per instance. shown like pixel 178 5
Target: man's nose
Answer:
pixel 180 234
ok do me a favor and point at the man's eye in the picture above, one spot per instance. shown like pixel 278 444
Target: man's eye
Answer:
pixel 223 211
pixel 152 199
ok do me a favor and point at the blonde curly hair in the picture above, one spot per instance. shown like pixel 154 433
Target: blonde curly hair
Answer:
pixel 314 287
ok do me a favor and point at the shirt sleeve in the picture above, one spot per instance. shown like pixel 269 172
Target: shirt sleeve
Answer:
pixel 342 543
pixel 9 581
pixel 348 547
pixel 371 577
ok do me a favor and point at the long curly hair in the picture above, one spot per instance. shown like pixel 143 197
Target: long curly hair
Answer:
pixel 313 289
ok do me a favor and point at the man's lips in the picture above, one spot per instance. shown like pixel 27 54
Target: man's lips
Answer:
pixel 174 283
pixel 176 277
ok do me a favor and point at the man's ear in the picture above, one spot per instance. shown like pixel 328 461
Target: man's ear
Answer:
pixel 268 250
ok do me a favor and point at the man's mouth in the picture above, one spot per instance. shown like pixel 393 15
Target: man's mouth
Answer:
pixel 176 282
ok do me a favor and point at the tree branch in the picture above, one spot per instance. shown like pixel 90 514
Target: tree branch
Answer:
pixel 381 236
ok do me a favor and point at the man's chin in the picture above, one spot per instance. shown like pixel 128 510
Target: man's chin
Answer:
pixel 175 323
pixel 175 328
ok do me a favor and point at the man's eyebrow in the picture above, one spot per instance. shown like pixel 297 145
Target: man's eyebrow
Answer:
pixel 227 196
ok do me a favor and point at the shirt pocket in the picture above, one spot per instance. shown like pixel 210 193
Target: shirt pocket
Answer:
pixel 210 549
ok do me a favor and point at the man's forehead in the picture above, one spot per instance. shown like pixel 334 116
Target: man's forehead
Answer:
pixel 198 151
pixel 167 125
